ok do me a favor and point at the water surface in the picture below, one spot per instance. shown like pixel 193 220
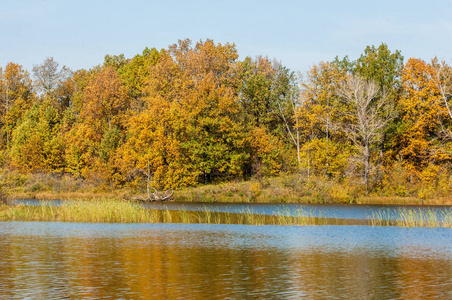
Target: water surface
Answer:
pixel 45 260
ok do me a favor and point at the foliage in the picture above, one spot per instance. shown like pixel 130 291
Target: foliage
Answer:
pixel 421 113
pixel 36 143
pixel 195 113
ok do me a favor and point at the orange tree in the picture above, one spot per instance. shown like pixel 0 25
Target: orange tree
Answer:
pixel 191 124
pixel 421 112
pixel 98 130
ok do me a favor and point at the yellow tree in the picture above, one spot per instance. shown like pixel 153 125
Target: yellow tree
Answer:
pixel 213 137
pixel 105 100
pixel 15 96
pixel 37 144
pixel 98 132
pixel 319 112
pixel 196 86
pixel 421 110
pixel 153 149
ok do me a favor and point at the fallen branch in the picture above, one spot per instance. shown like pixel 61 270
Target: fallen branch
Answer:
pixel 156 196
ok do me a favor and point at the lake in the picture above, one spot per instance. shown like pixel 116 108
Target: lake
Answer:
pixel 45 260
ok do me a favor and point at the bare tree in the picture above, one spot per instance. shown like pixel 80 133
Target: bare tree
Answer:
pixel 48 77
pixel 294 132
pixel 156 195
pixel 369 110
pixel 442 78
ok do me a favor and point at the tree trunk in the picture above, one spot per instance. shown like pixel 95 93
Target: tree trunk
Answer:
pixel 367 165
pixel 298 149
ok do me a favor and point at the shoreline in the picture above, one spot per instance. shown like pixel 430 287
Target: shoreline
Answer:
pixel 116 211
pixel 179 196
pixel 287 188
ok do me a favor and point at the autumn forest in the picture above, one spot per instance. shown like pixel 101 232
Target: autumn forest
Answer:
pixel 196 113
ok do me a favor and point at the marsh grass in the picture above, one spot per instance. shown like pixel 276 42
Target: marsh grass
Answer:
pixel 107 211
pixel 74 211
pixel 413 218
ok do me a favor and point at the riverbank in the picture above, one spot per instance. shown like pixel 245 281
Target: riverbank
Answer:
pixel 220 193
pixel 281 189
pixel 293 189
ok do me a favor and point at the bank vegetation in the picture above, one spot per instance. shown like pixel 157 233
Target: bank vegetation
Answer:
pixel 197 119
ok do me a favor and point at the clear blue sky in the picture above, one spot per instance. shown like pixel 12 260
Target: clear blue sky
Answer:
pixel 297 33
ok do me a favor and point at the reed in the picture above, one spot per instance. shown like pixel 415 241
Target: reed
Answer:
pixel 92 211
pixel 108 211
pixel 115 211
pixel 413 218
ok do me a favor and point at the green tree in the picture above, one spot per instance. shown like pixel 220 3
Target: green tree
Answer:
pixel 382 66
pixel 37 144
pixel 267 91
pixel 134 75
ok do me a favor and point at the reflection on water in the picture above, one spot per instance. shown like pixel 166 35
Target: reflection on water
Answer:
pixel 195 261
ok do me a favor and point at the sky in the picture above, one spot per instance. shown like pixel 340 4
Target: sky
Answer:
pixel 299 34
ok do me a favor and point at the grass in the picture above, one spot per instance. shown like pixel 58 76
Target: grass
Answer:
pixel 77 211
pixel 108 211
pixel 414 218
pixel 285 188
pixel 296 188
pixel 117 211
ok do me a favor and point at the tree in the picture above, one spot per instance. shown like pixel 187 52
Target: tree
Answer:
pixel 263 88
pixel 134 75
pixel 384 68
pixel 105 99
pixel 257 92
pixel 423 116
pixel 116 62
pixel 320 111
pixel 100 128
pixel 292 123
pixel 153 148
pixel 53 83
pixel 369 110
pixel 36 141
pixel 15 96
pixel 200 83
pixel 381 66
pixel 442 77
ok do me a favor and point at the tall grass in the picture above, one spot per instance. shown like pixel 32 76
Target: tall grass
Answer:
pixel 92 211
pixel 107 211
pixel 413 218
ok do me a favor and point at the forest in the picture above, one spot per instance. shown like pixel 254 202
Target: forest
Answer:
pixel 196 114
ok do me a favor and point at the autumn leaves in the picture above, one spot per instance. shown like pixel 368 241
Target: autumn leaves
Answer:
pixel 196 114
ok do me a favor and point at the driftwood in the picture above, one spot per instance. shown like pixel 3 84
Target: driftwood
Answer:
pixel 156 196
